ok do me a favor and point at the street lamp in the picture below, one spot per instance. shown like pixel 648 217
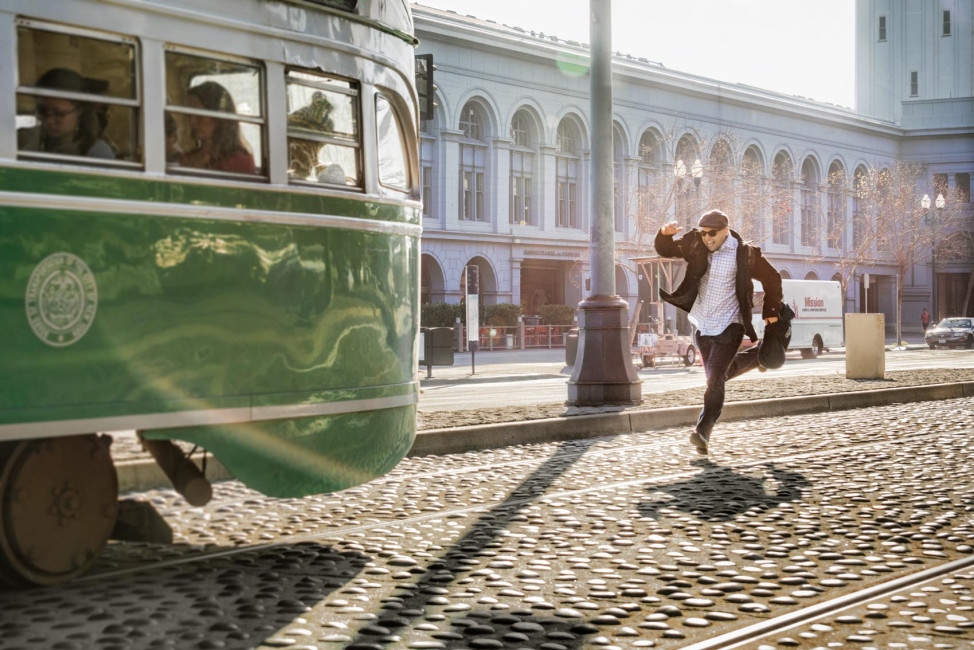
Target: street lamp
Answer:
pixel 697 172
pixel 680 170
pixel 939 203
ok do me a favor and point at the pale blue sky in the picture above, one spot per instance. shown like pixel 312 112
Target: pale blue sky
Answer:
pixel 798 47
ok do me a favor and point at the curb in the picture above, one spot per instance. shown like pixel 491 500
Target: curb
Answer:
pixel 467 379
pixel 492 436
pixel 144 474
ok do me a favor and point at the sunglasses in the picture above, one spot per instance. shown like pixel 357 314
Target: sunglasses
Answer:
pixel 709 233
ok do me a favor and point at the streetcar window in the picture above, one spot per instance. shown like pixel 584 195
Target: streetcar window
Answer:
pixel 214 115
pixel 393 160
pixel 77 95
pixel 324 138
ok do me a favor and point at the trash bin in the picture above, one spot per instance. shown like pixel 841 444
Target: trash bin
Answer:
pixel 509 339
pixel 865 346
pixel 571 347
pixel 438 347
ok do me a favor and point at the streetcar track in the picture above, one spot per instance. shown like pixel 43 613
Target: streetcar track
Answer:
pixel 730 437
pixel 457 512
pixel 751 633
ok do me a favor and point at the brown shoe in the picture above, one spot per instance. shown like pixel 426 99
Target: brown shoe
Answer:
pixel 700 442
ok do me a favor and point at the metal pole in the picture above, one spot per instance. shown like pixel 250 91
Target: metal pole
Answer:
pixel 603 201
pixel 603 372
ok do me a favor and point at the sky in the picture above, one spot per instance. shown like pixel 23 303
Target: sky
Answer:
pixel 796 47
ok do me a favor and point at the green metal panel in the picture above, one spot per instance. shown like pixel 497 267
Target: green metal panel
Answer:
pixel 197 315
pixel 297 457
pixel 179 190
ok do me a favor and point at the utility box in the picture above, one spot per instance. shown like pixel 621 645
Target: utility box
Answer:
pixel 438 347
pixel 865 346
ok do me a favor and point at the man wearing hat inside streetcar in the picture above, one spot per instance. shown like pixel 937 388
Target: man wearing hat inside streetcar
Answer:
pixel 718 294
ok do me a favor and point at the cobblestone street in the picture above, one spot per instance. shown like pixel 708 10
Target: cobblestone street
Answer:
pixel 631 541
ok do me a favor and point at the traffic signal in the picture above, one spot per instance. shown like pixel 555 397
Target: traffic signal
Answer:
pixel 473 280
pixel 425 87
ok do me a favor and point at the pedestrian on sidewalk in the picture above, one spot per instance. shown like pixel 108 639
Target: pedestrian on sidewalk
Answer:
pixel 925 319
pixel 718 294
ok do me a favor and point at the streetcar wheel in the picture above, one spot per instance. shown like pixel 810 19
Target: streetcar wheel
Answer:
pixel 58 502
pixel 690 356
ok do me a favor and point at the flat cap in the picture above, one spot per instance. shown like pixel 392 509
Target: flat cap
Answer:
pixel 713 219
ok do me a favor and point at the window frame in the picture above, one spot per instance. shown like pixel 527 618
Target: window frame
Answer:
pixel 261 120
pixel 472 176
pixel 135 102
pixel 357 143
pixel 882 29
pixel 404 141
pixel 945 26
pixel 914 83
pixel 521 181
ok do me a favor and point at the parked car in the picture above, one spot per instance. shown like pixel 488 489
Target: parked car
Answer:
pixel 951 333
pixel 654 346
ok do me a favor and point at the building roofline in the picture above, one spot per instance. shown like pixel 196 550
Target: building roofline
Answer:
pixel 447 25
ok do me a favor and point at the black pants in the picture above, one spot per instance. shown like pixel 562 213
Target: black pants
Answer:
pixel 721 361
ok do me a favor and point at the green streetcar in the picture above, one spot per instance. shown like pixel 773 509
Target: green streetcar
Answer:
pixel 209 232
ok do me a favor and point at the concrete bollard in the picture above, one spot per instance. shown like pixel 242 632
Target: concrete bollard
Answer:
pixel 865 346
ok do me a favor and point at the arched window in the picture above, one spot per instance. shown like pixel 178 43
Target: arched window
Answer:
pixel 781 216
pixel 427 155
pixel 473 163
pixel 688 170
pixel 620 181
pixel 835 207
pixel 522 170
pixel 720 177
pixel 810 204
pixel 567 162
pixel 751 216
pixel 860 192
pixel 648 174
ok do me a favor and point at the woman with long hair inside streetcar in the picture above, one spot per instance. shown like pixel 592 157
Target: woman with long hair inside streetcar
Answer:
pixel 219 144
pixel 67 126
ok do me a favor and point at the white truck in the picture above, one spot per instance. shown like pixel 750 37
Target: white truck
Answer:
pixel 818 314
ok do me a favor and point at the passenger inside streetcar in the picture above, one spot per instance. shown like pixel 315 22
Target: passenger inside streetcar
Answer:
pixel 65 126
pixel 173 151
pixel 219 144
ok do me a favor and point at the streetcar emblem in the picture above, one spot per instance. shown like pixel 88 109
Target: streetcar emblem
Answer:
pixel 61 299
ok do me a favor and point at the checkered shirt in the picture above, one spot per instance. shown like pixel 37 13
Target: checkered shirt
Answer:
pixel 716 305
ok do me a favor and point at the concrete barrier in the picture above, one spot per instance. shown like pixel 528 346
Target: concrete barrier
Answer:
pixel 865 346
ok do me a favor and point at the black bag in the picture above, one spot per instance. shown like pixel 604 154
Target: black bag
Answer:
pixel 777 337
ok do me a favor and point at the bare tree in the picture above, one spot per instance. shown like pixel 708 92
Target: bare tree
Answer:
pixel 898 224
pixel 851 246
pixel 679 175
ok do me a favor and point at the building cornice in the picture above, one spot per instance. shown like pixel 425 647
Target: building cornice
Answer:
pixel 451 28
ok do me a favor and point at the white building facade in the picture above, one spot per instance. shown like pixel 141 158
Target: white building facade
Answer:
pixel 505 159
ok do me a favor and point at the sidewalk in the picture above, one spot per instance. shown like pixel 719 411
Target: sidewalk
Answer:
pixel 541 363
pixel 499 365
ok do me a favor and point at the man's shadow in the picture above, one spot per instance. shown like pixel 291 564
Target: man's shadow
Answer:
pixel 721 493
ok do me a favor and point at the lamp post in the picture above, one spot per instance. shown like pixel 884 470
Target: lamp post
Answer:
pixel 603 372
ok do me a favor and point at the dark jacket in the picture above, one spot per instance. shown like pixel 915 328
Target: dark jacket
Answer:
pixel 751 264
